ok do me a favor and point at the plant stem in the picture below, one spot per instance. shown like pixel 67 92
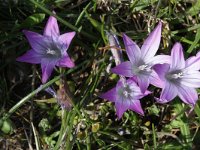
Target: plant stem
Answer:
pixel 32 109
pixel 154 137
pixel 42 87
pixel 28 97
pixel 88 142
pixel 68 143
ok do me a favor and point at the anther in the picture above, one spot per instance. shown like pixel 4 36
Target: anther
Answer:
pixel 177 75
pixel 144 67
pixel 49 51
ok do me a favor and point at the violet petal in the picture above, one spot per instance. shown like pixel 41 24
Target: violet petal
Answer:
pixel 132 49
pixel 121 106
pixel 30 57
pixel 191 79
pixel 51 29
pixel 124 69
pixel 161 70
pixel 65 62
pixel 66 38
pixel 136 106
pixel 155 80
pixel 159 59
pixel 37 41
pixel 109 95
pixel 177 57
pixel 193 63
pixel 188 95
pixel 169 92
pixel 47 68
pixel 143 82
pixel 151 44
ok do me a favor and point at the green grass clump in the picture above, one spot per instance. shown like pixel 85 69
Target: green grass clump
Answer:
pixel 38 122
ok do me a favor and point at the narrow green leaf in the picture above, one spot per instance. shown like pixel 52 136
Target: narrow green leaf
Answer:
pixel 33 20
pixel 154 136
pixel 37 141
pixel 185 132
pixel 81 14
pixel 186 30
pixel 94 22
pixel 194 10
pixel 197 111
pixel 196 41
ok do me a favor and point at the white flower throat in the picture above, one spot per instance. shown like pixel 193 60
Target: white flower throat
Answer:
pixel 175 75
pixel 50 51
pixel 53 49
pixel 127 92
pixel 144 68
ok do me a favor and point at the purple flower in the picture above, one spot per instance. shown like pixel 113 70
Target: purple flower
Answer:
pixel 126 95
pixel 48 49
pixel 180 77
pixel 142 61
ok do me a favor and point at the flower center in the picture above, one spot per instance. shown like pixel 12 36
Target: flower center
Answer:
pixel 50 51
pixel 126 92
pixel 175 75
pixel 144 68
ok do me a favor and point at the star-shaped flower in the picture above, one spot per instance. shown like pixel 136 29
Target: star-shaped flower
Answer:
pixel 142 61
pixel 180 77
pixel 126 96
pixel 48 49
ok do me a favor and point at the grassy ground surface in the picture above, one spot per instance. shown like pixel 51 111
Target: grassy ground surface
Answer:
pixel 91 124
